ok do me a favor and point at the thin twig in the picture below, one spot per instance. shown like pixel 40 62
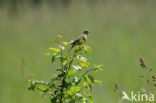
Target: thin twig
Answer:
pixel 87 72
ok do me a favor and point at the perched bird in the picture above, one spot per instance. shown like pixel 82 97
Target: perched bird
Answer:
pixel 80 40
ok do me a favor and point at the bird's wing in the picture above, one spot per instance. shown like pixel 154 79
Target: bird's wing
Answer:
pixel 77 40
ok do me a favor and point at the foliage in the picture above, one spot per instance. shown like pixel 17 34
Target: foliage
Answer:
pixel 74 80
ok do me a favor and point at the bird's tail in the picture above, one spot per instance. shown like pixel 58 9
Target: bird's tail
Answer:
pixel 71 47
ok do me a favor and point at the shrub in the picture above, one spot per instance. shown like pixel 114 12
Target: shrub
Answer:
pixel 74 80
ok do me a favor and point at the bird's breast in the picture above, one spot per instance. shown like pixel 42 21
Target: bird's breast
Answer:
pixel 84 37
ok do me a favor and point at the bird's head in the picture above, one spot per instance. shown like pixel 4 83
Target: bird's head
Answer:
pixel 85 32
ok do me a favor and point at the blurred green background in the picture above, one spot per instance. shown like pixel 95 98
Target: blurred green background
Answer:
pixel 121 32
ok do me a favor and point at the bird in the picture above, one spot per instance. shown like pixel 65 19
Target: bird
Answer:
pixel 80 40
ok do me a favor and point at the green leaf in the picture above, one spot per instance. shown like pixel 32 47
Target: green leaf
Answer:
pixel 91 78
pixel 98 67
pixel 78 49
pixel 88 83
pixel 66 43
pixel 89 97
pixel 69 92
pixel 32 85
pixel 41 87
pixel 79 97
pixel 85 84
pixel 48 54
pixel 59 69
pixel 72 101
pixel 87 49
pixel 71 72
pixel 55 50
pixel 84 64
pixel 90 86
pixel 53 58
pixel 75 89
pixel 59 37
pixel 97 81
pixel 54 100
pixel 64 59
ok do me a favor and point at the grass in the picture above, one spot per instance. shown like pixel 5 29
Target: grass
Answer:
pixel 121 32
